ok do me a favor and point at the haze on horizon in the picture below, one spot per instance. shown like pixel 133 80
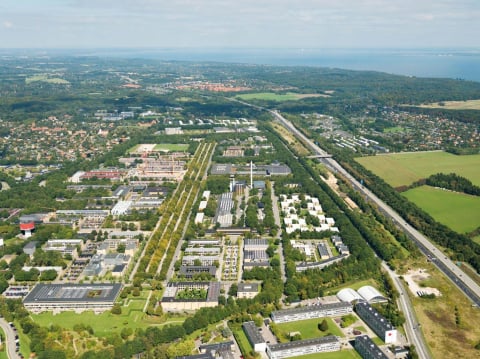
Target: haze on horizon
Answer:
pixel 237 24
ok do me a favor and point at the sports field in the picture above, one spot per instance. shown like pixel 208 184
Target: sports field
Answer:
pixel 455 105
pixel 457 211
pixel 401 169
pixel 271 96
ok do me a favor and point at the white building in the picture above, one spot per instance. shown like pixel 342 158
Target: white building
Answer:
pixel 303 347
pixel 311 311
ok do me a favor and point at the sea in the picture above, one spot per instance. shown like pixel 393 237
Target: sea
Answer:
pixel 458 63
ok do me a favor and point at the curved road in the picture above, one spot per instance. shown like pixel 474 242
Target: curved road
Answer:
pixel 469 287
pixel 10 339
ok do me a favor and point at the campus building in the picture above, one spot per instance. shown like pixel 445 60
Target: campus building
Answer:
pixel 98 297
pixel 368 349
pixel 170 301
pixel 303 347
pixel 311 311
pixel 377 322
pixel 254 337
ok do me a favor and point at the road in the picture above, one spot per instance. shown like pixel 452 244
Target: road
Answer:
pixel 469 287
pixel 10 339
pixel 411 325
pixel 276 216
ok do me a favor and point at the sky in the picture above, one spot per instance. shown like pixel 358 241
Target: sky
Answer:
pixel 239 23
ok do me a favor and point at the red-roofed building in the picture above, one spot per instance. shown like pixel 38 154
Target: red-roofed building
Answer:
pixel 27 228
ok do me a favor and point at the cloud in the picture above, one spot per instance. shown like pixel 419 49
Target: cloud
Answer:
pixel 7 24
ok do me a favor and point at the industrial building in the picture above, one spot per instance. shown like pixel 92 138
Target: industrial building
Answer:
pixel 329 343
pixel 377 322
pixel 311 311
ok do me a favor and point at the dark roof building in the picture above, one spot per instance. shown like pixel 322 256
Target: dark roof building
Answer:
pixel 379 324
pixel 98 297
pixel 254 337
pixel 368 349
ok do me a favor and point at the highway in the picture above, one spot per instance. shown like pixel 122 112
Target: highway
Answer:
pixel 411 325
pixel 469 287
pixel 10 339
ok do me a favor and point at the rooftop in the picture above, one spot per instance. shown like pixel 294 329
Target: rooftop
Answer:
pixel 303 343
pixel 100 292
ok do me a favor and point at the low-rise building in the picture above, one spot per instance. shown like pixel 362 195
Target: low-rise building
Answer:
pixel 311 311
pixel 98 297
pixel 329 343
pixel 254 337
pixel 377 322
pixel 247 290
pixel 171 302
pixel 367 348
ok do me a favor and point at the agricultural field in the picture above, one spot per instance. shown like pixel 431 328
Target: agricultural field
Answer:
pixel 402 169
pixel 45 78
pixel 457 211
pixel 271 96
pixel 309 328
pixel 454 105
pixel 447 336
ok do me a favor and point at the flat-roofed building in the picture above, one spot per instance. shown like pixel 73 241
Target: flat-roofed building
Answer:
pixel 377 322
pixel 368 349
pixel 98 297
pixel 303 347
pixel 312 311
pixel 191 271
pixel 247 290
pixel 64 246
pixel 254 337
pixel 171 302
pixel 255 244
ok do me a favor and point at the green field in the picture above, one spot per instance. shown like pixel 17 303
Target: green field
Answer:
pixel 242 340
pixel 309 328
pixel 401 169
pixel 458 211
pixel 45 78
pixel 271 96
pixel 455 105
pixel 343 354
pixel 353 284
pixel 171 147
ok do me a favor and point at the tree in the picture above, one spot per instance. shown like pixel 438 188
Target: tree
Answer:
pixel 116 309
pixel 323 325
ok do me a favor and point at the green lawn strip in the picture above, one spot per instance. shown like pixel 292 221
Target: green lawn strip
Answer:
pixel 342 354
pixel 24 341
pixel 242 340
pixel 361 328
pixel 400 169
pixel 476 239
pixel 458 211
pixel 3 353
pixel 309 328
pixel 378 341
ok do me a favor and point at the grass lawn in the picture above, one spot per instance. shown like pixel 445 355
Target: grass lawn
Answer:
pixel 242 340
pixel 393 129
pixel 476 239
pixel 378 341
pixel 458 211
pixel 171 147
pixel 343 354
pixel 361 328
pixel 446 339
pixel 309 328
pixel 405 168
pixel 132 316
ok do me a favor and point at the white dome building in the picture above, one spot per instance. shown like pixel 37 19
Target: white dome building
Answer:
pixel 371 295
pixel 349 295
